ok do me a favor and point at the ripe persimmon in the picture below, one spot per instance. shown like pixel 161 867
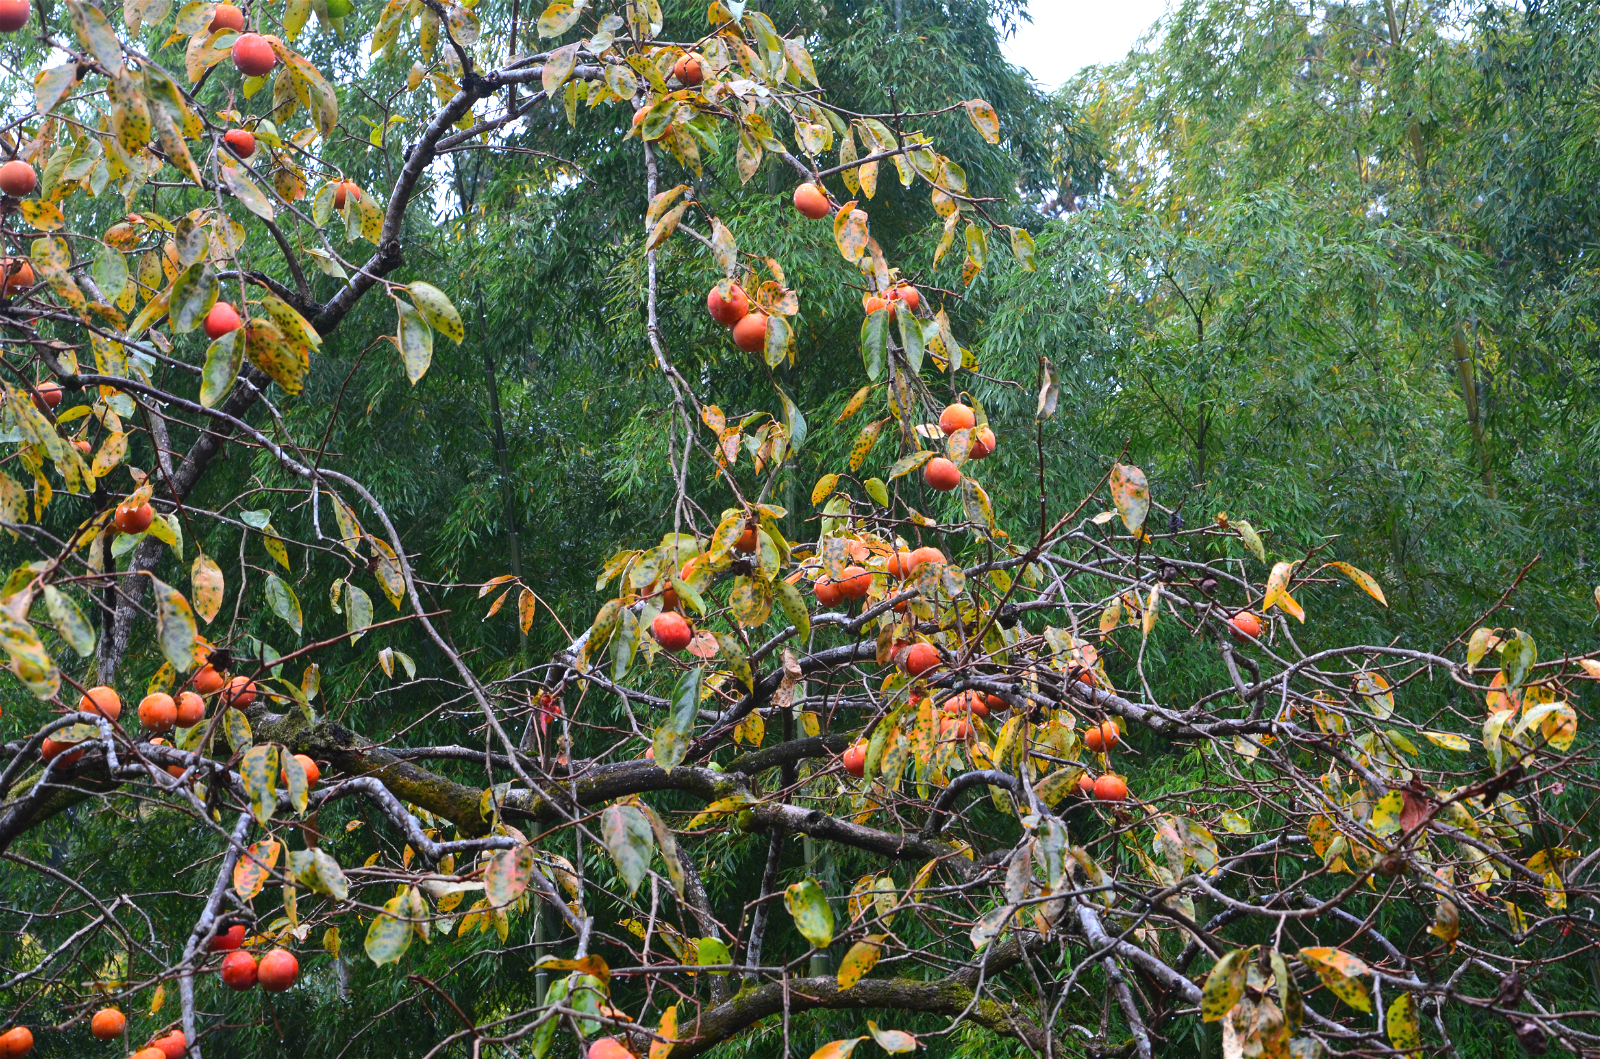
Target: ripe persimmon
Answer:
pixel 921 557
pixel 174 771
pixel 239 970
pixel 690 69
pixel 343 191
pixel 82 446
pixel 47 395
pixel 730 310
pixel 134 519
pixel 172 1046
pixel 827 592
pixel 278 970
pixel 240 693
pixel 996 704
pixel 222 318
pixel 671 631
pixel 1102 737
pixel 102 700
pixel 208 681
pixel 747 540
pixel 921 657
pixel 905 292
pixel 151 1052
pixel 873 302
pixel 17 178
pixel 899 564
pixel 157 712
pixel 19 273
pixel 50 749
pixel 855 584
pixel 855 759
pixel 242 142
pixel 253 55
pixel 811 201
pixel 191 709
pixel 13 16
pixel 313 773
pixel 1245 625
pixel 227 16
pixel 1109 788
pixel 954 729
pixel 750 333
pixel 956 417
pixel 108 1024
pixel 608 1048
pixel 1086 785
pixel 18 1040
pixel 982 443
pixel 941 474
pixel 229 939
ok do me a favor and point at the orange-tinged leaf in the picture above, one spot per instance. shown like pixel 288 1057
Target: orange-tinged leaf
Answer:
pixel 850 232
pixel 1130 491
pixel 824 488
pixel 667 1031
pixel 837 1049
pixel 526 601
pixel 860 960
pixel 984 119
pixel 250 873
pixel 864 444
pixel 1341 973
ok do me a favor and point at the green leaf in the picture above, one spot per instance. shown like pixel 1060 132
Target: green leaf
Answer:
pixel 357 611
pixel 906 464
pixel 193 294
pixel 258 773
pixel 69 621
pixel 671 740
pixel 245 190
pixel 877 490
pixel 1225 984
pixel 437 310
pixel 629 840
pixel 813 916
pixel 875 343
pixel 793 607
pixel 1386 814
pixel 414 340
pixel 236 726
pixel 174 626
pixel 1252 540
pixel 224 358
pixel 712 952
pixel 1022 249
pixel 294 776
pixel 281 598
pixel 388 937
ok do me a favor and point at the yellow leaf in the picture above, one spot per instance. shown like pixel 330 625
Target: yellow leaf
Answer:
pixel 860 960
pixel 1278 591
pixel 1362 579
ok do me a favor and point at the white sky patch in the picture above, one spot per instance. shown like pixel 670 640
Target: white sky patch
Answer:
pixel 1067 35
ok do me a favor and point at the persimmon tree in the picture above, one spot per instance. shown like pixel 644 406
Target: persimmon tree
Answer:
pixel 950 711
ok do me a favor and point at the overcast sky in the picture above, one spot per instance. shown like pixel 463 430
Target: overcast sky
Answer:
pixel 1068 35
